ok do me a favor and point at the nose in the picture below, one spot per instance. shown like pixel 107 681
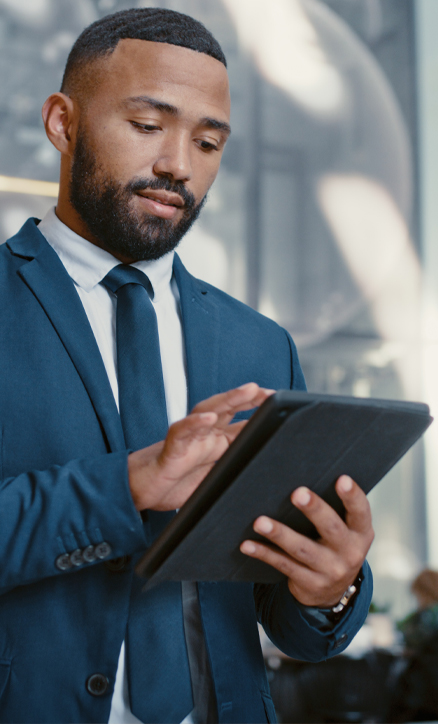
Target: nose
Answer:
pixel 174 159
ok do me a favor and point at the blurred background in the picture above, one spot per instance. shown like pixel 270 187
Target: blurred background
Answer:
pixel 324 215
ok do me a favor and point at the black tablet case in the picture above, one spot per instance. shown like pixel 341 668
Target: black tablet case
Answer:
pixel 309 440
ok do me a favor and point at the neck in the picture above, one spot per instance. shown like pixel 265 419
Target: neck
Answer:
pixel 69 216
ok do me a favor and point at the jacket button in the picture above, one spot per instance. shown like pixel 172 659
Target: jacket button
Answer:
pixel 102 550
pixel 341 640
pixel 63 563
pixel 88 554
pixel 97 684
pixel 76 558
pixel 117 564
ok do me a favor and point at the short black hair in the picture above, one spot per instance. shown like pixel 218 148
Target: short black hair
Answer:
pixel 159 25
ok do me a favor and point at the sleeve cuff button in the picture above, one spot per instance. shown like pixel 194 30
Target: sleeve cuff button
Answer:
pixel 76 558
pixel 341 640
pixel 102 550
pixel 63 562
pixel 89 554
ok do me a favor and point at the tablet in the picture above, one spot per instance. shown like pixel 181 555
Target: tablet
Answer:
pixel 293 439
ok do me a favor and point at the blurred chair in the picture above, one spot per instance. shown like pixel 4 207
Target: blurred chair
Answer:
pixel 286 692
pixel 338 690
pixel 416 697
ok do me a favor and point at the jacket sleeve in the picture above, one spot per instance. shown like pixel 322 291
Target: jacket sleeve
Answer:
pixel 45 515
pixel 288 627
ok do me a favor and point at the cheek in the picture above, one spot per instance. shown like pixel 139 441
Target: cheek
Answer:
pixel 124 154
pixel 203 178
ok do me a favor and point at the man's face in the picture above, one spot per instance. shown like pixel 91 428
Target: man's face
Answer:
pixel 148 146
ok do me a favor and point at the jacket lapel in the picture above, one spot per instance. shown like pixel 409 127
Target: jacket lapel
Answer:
pixel 201 324
pixel 47 278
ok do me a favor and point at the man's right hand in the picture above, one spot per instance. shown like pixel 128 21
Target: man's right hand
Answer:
pixel 163 476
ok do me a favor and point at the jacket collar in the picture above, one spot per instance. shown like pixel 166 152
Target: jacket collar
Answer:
pixel 201 327
pixel 47 278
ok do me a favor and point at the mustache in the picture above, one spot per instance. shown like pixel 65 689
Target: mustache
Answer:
pixel 163 184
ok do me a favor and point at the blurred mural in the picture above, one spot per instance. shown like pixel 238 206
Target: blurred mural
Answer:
pixel 313 219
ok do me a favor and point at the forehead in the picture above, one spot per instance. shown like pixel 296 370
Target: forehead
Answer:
pixel 180 76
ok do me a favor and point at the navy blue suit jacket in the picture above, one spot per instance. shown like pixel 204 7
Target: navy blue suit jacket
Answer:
pixel 64 485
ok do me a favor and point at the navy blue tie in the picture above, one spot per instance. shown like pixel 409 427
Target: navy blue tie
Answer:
pixel 142 401
pixel 157 663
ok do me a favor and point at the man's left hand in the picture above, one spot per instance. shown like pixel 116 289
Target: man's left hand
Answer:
pixel 318 571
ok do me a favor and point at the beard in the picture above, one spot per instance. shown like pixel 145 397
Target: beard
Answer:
pixel 104 206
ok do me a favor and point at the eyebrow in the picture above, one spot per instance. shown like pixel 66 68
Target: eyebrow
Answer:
pixel 146 101
pixel 217 125
pixel 151 103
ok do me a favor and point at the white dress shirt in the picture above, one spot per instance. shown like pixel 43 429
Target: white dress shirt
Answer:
pixel 87 265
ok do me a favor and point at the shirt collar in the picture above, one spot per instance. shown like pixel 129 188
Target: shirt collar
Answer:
pixel 87 264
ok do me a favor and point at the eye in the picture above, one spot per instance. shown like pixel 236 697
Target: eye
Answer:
pixel 207 146
pixel 145 127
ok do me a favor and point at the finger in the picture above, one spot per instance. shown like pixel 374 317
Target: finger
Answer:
pixel 302 549
pixel 193 444
pixel 330 526
pixel 323 587
pixel 182 434
pixel 254 396
pixel 277 559
pixel 226 404
pixel 196 424
pixel 198 427
pixel 356 504
pixel 233 430
pixel 310 587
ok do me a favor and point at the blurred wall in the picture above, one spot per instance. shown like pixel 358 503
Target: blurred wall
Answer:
pixel 314 217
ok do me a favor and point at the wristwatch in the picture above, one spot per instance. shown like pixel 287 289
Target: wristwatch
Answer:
pixel 335 613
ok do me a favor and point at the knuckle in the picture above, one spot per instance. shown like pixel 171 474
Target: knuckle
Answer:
pixel 334 527
pixel 368 543
pixel 354 562
pixel 339 571
pixel 283 566
pixel 302 552
pixel 320 587
pixel 353 556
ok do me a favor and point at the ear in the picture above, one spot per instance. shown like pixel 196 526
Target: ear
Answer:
pixel 59 117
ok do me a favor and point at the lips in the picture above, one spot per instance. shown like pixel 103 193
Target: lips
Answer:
pixel 163 204
pixel 162 197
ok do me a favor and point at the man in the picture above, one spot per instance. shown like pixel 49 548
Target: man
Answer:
pixel 141 124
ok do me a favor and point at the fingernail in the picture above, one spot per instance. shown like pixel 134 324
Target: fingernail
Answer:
pixel 263 525
pixel 301 496
pixel 248 547
pixel 345 483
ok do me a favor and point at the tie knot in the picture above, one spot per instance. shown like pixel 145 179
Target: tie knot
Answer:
pixel 124 274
